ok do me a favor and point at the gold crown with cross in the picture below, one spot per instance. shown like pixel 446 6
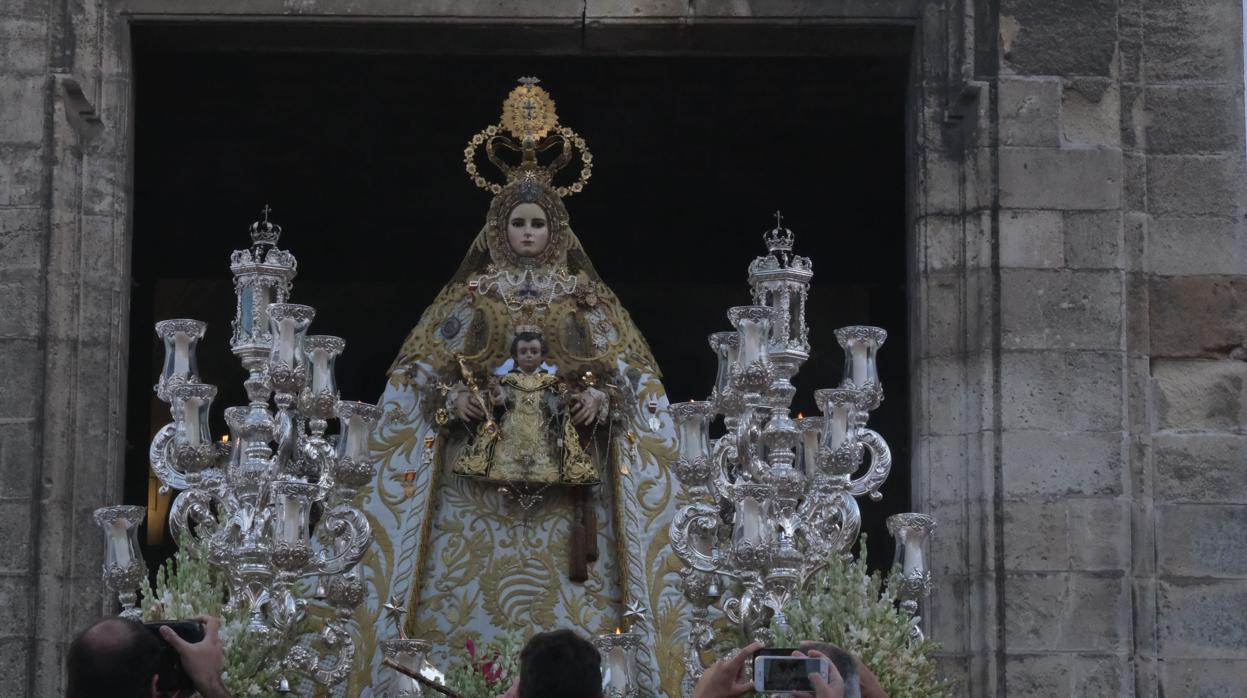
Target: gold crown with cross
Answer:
pixel 530 128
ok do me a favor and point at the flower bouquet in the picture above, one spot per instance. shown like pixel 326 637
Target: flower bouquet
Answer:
pixel 485 672
pixel 187 586
pixel 848 606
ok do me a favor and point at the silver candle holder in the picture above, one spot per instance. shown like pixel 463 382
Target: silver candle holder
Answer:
pixel 911 578
pixel 619 663
pixel 123 563
pixel 773 499
pixel 249 501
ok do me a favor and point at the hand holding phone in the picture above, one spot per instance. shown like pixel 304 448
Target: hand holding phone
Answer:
pixel 726 677
pixel 794 672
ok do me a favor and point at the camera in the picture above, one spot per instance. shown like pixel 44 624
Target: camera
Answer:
pixel 172 677
pixel 776 671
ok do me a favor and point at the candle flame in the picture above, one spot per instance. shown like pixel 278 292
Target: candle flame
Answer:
pixel 225 439
pixel 617 631
pixel 800 416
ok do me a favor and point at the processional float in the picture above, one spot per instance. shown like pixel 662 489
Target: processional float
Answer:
pixel 769 502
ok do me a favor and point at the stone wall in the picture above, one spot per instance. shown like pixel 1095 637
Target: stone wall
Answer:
pixel 63 270
pixel 1121 246
pixel 1079 286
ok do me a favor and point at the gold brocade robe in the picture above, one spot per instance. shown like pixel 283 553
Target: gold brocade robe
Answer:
pixel 469 561
pixel 535 442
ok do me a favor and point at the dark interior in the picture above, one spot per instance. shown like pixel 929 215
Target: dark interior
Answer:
pixel 357 147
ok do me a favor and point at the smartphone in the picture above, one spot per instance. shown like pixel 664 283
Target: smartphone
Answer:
pixel 171 675
pixel 776 674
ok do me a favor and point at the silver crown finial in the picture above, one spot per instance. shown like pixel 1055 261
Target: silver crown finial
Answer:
pixel 265 232
pixel 778 239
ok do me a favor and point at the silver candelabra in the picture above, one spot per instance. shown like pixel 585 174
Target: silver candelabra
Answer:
pixel 775 497
pixel 272 504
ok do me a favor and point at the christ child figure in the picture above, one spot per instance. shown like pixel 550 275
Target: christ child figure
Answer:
pixel 535 440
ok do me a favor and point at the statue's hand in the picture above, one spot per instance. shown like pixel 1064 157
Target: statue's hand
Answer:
pixel 588 406
pixel 467 408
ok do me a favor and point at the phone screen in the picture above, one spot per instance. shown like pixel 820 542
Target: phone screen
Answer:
pixel 788 673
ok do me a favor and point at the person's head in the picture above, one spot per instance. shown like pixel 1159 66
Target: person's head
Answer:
pixel 560 664
pixel 114 658
pixel 529 350
pixel 528 230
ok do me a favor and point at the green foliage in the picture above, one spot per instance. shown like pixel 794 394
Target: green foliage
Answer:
pixel 849 607
pixel 485 672
pixel 187 586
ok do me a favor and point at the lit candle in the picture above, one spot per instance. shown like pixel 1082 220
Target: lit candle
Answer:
pixel 119 540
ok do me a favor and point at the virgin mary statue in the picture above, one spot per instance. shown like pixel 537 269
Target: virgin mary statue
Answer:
pixel 522 483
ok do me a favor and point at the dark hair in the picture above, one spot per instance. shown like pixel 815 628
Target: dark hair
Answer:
pixel 114 658
pixel 528 337
pixel 560 664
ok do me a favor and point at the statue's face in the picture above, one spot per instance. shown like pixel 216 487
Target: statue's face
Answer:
pixel 528 230
pixel 528 353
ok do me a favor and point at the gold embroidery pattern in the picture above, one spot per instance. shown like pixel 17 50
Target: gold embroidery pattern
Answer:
pixel 529 446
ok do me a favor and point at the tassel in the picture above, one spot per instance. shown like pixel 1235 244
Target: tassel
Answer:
pixel 591 526
pixel 577 570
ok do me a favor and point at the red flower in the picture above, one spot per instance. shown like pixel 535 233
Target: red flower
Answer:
pixel 471 648
pixel 492 670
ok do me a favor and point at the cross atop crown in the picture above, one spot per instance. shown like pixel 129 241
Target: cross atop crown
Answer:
pixel 265 232
pixel 779 239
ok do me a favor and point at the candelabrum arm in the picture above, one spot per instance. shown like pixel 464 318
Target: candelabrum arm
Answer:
pixel 880 465
pixel 748 611
pixel 689 521
pixel 352 536
pixel 160 454
pixel 332 667
pixel 700 638
pixel 319 455
pixel 286 433
pixel 188 506
pixel 832 531
pixel 723 453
